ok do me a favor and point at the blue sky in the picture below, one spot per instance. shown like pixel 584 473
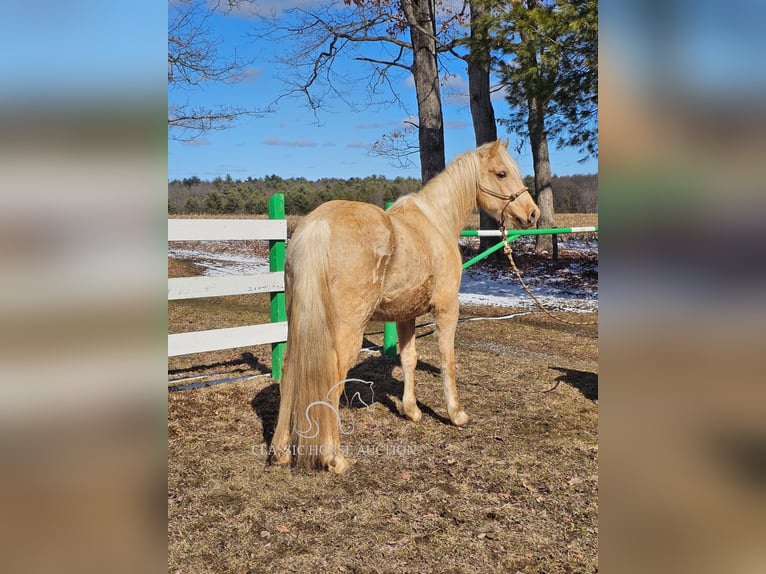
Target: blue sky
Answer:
pixel 293 141
pixel 76 51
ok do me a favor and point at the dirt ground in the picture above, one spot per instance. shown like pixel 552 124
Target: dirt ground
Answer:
pixel 514 491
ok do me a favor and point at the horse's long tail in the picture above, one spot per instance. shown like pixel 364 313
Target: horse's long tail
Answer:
pixel 308 412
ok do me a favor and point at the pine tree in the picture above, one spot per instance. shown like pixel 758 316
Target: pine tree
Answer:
pixel 549 65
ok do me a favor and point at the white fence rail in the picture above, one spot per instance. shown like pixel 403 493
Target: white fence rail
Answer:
pixel 226 229
pixel 195 287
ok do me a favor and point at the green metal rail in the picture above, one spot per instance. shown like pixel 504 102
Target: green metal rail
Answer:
pixel 389 329
pixel 513 234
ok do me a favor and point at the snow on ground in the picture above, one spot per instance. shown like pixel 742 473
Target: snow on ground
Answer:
pixel 222 257
pixel 482 287
pixel 571 285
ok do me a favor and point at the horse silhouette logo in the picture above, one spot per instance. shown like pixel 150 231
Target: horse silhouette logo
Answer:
pixel 313 427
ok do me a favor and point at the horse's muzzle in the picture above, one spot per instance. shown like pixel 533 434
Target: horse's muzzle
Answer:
pixel 532 218
pixel 521 223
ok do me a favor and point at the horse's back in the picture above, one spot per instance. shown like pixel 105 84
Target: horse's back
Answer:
pixel 343 215
pixel 355 228
pixel 360 242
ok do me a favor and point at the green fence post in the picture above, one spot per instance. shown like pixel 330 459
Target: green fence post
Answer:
pixel 389 329
pixel 277 263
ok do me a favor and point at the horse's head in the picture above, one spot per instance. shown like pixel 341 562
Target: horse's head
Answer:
pixel 502 192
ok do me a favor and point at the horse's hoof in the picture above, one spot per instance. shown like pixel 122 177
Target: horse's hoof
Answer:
pixel 460 419
pixel 337 464
pixel 414 414
pixel 280 459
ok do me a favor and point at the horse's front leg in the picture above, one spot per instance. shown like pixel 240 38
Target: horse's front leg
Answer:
pixel 409 357
pixel 446 324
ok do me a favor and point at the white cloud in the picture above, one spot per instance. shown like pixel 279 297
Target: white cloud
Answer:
pixel 372 125
pixel 287 143
pixel 231 168
pixel 197 142
pixel 455 90
pixel 250 75
pixel 263 8
pixel 409 121
pixel 455 82
pixel 499 93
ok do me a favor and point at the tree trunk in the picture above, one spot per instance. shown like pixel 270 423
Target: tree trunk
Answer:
pixel 482 112
pixel 420 18
pixel 538 140
pixel 542 165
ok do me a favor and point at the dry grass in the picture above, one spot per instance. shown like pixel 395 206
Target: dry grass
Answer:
pixel 514 491
pixel 562 220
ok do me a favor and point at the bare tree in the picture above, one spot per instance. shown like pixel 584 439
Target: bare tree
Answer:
pixel 482 110
pixel 389 36
pixel 435 29
pixel 421 21
pixel 195 58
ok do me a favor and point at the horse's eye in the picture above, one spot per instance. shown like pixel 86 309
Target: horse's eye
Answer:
pixel 500 174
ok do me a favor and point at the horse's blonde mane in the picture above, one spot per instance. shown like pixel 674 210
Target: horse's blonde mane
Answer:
pixel 449 197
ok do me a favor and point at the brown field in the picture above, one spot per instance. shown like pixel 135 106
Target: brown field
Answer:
pixel 562 220
pixel 514 491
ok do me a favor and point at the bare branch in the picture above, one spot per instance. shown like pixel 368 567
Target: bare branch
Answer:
pixel 194 58
pixel 187 123
pixel 365 32
pixel 399 145
pixel 386 63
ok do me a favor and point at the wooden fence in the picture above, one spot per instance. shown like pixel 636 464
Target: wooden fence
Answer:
pixel 275 231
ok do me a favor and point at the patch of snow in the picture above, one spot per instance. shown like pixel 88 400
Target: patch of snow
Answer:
pixel 217 263
pixel 482 287
pixel 561 290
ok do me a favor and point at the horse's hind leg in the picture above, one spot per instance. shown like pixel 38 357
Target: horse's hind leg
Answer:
pixel 409 357
pixel 446 323
pixel 348 341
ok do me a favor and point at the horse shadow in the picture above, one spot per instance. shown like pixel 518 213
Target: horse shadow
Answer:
pixel 370 381
pixel 251 362
pixel 584 381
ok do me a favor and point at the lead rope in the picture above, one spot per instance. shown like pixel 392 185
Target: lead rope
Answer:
pixel 509 253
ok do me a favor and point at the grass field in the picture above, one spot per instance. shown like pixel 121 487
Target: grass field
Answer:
pixel 515 491
pixel 562 219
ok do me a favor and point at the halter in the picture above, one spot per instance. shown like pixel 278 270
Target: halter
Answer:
pixel 511 198
pixel 508 252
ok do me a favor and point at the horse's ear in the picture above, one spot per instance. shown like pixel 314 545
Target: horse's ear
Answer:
pixel 505 145
pixel 495 147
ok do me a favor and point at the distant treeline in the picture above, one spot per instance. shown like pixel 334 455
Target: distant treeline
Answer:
pixel 572 194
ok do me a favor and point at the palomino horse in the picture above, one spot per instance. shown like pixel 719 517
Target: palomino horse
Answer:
pixel 350 262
